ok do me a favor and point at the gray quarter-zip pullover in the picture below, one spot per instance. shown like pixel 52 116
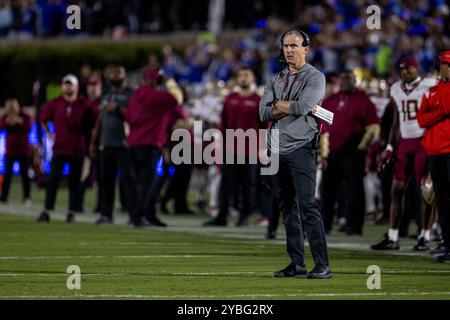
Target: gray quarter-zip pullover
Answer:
pixel 304 90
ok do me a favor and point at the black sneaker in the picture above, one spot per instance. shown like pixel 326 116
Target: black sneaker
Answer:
pixel 155 222
pixel 440 250
pixel 386 244
pixel 320 272
pixel 215 223
pixel 104 220
pixel 44 217
pixel 292 270
pixel 445 258
pixel 422 245
pixel 70 218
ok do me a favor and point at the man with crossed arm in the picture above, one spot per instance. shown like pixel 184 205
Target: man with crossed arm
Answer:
pixel 289 102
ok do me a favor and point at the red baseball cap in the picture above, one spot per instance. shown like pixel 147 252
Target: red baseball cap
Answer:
pixel 94 80
pixel 445 56
pixel 408 62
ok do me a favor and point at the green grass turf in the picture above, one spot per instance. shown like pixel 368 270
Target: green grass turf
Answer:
pixel 118 262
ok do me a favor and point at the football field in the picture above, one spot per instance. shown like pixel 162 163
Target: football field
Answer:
pixel 188 261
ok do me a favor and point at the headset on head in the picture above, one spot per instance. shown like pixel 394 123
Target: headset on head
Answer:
pixel 306 41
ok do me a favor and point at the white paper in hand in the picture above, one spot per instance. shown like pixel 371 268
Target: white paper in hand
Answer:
pixel 324 114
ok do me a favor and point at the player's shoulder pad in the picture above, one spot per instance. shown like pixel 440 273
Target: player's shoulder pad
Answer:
pixel 429 82
pixel 396 86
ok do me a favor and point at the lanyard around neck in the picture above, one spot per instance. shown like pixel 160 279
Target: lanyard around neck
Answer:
pixel 286 81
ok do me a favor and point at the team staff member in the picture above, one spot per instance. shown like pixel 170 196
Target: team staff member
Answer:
pixel 434 116
pixel 109 138
pixel 147 117
pixel 240 111
pixel 178 184
pixel 355 127
pixel 17 125
pixel 289 100
pixel 72 117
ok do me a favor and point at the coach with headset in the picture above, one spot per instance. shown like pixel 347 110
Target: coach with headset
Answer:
pixel 289 102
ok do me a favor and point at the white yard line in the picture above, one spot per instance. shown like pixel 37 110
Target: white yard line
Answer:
pixel 38 274
pixel 173 256
pixel 109 244
pixel 50 274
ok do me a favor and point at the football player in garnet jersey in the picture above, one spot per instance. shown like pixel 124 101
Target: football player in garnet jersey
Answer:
pixel 407 95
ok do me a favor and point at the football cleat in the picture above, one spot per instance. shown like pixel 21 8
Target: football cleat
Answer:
pixel 43 217
pixel 422 245
pixel 386 244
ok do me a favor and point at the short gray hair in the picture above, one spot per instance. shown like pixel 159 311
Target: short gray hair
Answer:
pixel 293 32
pixel 297 33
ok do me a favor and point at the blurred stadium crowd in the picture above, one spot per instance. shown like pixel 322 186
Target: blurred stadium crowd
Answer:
pixel 337 27
pixel 204 75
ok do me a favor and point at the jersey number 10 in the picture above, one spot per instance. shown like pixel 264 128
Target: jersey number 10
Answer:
pixel 409 108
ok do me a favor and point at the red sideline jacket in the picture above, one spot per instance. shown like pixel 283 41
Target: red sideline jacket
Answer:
pixel 72 121
pixel 434 115
pixel 147 115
